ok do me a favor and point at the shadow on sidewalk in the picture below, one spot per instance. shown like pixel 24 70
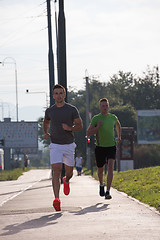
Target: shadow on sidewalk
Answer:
pixel 95 208
pixel 35 223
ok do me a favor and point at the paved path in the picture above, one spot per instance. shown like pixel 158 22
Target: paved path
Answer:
pixel 26 212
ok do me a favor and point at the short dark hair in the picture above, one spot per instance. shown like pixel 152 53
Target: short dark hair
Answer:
pixel 59 86
pixel 103 100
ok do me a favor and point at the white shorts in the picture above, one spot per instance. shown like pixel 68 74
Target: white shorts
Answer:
pixel 62 153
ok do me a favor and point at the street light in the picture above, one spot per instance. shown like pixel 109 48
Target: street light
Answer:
pixel 15 65
pixel 34 92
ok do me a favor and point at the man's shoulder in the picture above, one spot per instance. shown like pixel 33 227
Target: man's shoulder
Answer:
pixel 112 116
pixel 71 108
pixel 95 119
pixel 97 115
pixel 51 108
pixel 68 105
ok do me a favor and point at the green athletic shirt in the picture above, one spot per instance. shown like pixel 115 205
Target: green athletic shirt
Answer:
pixel 105 135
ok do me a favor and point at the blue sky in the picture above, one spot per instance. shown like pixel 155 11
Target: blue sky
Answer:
pixel 103 37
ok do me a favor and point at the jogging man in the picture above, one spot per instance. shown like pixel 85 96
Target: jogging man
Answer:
pixel 64 119
pixel 105 152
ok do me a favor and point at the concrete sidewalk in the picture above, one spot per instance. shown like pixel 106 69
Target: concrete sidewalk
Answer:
pixel 84 215
pixel 11 189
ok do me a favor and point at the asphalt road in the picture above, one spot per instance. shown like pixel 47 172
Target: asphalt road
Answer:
pixel 26 212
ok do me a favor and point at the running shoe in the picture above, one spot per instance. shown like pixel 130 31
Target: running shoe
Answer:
pixel 66 188
pixel 101 190
pixel 57 204
pixel 107 195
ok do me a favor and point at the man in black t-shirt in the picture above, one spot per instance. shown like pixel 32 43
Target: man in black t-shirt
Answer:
pixel 64 119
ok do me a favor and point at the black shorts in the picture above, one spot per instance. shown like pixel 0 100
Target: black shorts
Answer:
pixel 103 154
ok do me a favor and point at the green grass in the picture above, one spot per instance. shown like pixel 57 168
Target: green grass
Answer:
pixel 142 184
pixel 14 174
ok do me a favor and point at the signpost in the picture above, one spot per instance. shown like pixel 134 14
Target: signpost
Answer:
pixel 148 127
pixel 125 153
pixel 17 135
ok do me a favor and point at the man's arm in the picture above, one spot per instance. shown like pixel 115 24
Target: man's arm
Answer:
pixel 78 125
pixel 93 129
pixel 46 124
pixel 118 130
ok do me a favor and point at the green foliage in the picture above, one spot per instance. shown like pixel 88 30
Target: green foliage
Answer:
pixel 140 92
pixel 41 160
pixel 126 94
pixel 146 90
pixel 14 174
pixel 146 156
pixel 126 115
pixel 120 86
pixel 142 184
pixel 41 133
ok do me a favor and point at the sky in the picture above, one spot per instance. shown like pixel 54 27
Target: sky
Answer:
pixel 102 37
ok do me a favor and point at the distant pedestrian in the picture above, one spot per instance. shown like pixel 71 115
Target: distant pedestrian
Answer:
pixel 64 119
pixel 79 162
pixel 26 160
pixel 102 125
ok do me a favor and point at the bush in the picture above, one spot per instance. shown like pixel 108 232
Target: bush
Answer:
pixel 146 156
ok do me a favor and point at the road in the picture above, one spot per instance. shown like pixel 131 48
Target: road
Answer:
pixel 26 212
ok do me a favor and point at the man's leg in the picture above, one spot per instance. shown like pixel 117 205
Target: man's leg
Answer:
pixel 101 183
pixel 110 173
pixel 100 175
pixel 57 169
pixel 68 173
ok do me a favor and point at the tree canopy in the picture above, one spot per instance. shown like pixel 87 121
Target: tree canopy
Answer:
pixel 126 94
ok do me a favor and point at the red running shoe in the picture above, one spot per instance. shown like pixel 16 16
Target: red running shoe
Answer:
pixel 57 204
pixel 66 188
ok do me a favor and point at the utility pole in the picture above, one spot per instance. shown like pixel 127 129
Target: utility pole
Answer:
pixel 50 53
pixel 61 58
pixel 88 150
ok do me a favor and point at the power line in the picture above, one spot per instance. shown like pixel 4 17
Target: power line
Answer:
pixel 19 16
pixel 9 38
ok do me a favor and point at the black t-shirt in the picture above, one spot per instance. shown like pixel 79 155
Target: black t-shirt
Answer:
pixel 57 116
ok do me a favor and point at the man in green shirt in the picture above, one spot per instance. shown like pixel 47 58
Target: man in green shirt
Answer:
pixel 103 125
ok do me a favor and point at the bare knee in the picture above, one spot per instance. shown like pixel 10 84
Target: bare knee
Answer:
pixel 57 169
pixel 100 170
pixel 110 165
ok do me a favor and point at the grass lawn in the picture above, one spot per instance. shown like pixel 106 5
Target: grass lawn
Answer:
pixel 142 184
pixel 12 174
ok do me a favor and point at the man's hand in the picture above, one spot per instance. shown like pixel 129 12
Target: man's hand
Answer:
pixel 119 140
pixel 66 127
pixel 99 123
pixel 46 136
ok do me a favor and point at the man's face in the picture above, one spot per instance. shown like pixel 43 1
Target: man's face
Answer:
pixel 104 106
pixel 59 95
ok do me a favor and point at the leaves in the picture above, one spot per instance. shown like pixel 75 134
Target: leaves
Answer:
pixel 126 94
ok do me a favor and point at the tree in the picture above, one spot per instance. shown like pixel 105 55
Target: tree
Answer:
pixel 41 133
pixel 146 91
pixel 126 115
pixel 140 92
pixel 120 87
pixel 126 94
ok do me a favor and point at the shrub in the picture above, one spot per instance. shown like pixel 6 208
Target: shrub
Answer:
pixel 146 156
